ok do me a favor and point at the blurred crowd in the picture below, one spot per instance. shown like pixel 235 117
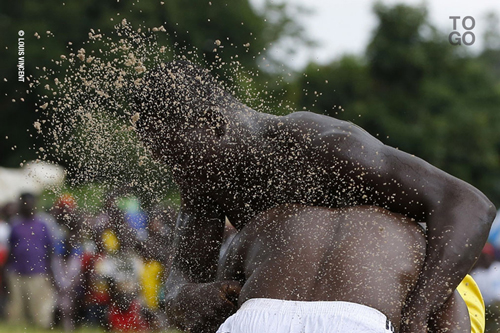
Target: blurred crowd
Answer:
pixel 64 267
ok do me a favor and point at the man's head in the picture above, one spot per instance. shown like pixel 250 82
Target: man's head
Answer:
pixel 65 212
pixel 27 205
pixel 175 99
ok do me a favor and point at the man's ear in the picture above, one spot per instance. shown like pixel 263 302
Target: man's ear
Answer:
pixel 216 120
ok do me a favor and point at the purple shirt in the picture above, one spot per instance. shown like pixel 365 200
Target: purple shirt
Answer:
pixel 30 247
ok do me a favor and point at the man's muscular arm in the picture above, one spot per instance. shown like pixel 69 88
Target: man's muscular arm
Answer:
pixel 453 317
pixel 194 301
pixel 458 216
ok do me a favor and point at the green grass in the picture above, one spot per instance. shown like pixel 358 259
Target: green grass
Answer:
pixel 19 328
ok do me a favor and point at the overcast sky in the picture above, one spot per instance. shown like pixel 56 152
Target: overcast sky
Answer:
pixel 345 26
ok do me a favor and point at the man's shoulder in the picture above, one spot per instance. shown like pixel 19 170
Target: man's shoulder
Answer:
pixel 326 128
pixel 311 118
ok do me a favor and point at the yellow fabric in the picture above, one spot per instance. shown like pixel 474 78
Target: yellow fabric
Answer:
pixel 470 293
pixel 111 243
pixel 151 283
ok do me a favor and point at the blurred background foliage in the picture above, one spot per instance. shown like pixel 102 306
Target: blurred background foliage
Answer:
pixel 415 91
pixel 410 88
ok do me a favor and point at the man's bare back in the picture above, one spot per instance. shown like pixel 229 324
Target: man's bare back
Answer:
pixel 361 254
pixel 364 255
pixel 230 160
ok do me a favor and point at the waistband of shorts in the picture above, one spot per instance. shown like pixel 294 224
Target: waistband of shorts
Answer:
pixel 334 308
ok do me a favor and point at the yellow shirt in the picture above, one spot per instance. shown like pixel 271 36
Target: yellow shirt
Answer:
pixel 111 243
pixel 151 278
pixel 470 293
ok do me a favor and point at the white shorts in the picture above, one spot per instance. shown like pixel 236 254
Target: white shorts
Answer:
pixel 261 315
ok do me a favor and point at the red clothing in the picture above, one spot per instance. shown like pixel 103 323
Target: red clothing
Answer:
pixel 130 320
pixel 96 284
pixel 4 254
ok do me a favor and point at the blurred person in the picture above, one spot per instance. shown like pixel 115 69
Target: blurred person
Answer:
pixel 486 272
pixel 64 216
pixel 29 274
pixel 156 252
pixel 494 236
pixel 57 231
pixel 153 244
pixel 150 283
pixel 160 233
pixel 9 211
pixel 113 259
pixel 125 312
pixel 97 265
pixel 97 271
pixel 133 214
pixel 68 260
pixel 111 223
pixel 6 213
pixel 122 269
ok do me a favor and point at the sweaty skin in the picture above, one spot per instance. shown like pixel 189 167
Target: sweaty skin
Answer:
pixel 231 161
pixel 362 254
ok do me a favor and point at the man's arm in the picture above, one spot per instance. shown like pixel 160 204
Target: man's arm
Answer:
pixel 458 216
pixel 194 301
pixel 453 316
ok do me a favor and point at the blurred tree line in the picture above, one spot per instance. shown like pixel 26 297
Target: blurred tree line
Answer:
pixel 415 91
pixel 411 88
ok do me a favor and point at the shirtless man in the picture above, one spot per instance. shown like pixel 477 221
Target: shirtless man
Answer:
pixel 231 161
pixel 361 262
